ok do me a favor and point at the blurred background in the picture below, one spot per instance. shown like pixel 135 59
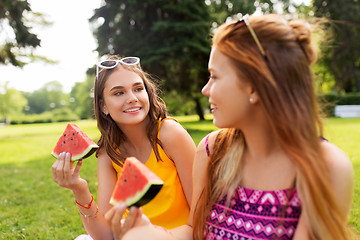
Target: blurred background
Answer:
pixel 48 50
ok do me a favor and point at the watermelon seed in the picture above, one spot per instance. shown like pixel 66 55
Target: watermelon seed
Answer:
pixel 73 134
pixel 71 139
pixel 64 135
pixel 64 142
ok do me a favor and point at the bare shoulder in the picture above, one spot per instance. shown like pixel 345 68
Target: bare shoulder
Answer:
pixel 103 157
pixel 210 139
pixel 339 164
pixel 341 173
pixel 170 126
pixel 170 130
pixel 207 143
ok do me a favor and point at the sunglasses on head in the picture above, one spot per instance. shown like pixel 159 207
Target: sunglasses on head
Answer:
pixel 109 64
pixel 245 19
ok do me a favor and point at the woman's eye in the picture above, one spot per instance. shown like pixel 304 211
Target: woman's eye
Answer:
pixel 118 93
pixel 212 77
pixel 138 89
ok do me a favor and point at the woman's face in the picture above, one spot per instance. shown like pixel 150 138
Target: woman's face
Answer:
pixel 125 97
pixel 228 94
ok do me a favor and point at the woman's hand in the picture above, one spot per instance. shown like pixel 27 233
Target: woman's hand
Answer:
pixel 120 226
pixel 64 173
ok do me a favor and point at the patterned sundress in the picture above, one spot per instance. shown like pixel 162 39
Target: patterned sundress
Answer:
pixel 254 214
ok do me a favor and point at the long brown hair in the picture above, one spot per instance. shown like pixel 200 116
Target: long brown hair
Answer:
pixel 111 135
pixel 284 83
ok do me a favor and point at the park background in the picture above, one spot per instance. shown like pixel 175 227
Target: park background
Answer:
pixel 173 39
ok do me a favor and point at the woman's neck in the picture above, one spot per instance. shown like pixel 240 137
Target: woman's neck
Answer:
pixel 136 142
pixel 266 165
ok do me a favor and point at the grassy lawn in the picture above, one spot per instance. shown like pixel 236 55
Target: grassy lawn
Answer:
pixel 32 206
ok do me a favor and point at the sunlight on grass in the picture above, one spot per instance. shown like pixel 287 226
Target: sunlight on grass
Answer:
pixel 32 206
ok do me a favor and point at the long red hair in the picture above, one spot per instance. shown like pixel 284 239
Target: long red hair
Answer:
pixel 284 83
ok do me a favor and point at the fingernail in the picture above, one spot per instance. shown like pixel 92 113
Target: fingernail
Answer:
pixel 67 154
pixel 120 206
pixel 132 209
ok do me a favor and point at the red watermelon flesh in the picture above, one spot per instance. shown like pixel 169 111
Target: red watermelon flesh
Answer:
pixel 137 184
pixel 76 142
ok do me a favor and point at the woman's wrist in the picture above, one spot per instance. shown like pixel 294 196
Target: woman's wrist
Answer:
pixel 81 188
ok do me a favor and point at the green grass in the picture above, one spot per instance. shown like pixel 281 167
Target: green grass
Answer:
pixel 32 206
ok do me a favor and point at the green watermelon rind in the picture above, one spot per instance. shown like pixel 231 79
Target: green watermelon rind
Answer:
pixel 143 197
pixel 85 154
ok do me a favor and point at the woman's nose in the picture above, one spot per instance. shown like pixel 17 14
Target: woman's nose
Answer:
pixel 205 89
pixel 132 97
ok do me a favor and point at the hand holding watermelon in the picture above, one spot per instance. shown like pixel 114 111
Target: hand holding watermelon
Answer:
pixel 65 174
pixel 119 225
pixel 72 145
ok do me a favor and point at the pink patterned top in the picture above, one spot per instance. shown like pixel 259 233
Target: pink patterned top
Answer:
pixel 254 214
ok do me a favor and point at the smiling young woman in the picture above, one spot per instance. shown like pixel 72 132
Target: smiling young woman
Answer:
pixel 133 122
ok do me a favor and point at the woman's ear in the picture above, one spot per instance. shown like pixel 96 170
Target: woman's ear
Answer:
pixel 253 96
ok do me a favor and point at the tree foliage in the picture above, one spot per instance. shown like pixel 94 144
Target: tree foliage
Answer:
pixel 11 102
pixel 16 37
pixel 47 98
pixel 81 98
pixel 171 37
pixel 341 51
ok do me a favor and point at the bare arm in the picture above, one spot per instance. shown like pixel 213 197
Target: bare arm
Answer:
pixel 198 173
pixel 98 228
pixel 180 147
pixel 107 178
pixel 342 176
pixel 184 232
pixel 68 176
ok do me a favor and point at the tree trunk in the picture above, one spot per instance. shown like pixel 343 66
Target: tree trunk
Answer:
pixel 356 77
pixel 198 108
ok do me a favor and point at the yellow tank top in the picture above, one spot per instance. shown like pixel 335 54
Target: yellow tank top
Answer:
pixel 169 208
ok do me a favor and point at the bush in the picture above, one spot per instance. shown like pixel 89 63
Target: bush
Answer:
pixel 57 115
pixel 329 101
pixel 64 115
pixel 177 104
pixel 180 105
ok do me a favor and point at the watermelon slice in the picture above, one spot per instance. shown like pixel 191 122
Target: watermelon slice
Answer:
pixel 76 142
pixel 137 184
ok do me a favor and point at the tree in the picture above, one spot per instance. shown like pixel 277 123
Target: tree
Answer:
pixel 171 37
pixel 47 98
pixel 341 52
pixel 11 102
pixel 81 98
pixel 17 40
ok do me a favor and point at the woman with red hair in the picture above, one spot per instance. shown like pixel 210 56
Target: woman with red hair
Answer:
pixel 267 173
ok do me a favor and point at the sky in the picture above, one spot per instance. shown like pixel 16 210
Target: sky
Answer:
pixel 69 41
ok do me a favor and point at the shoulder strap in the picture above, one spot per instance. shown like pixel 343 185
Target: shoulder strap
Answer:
pixel 207 145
